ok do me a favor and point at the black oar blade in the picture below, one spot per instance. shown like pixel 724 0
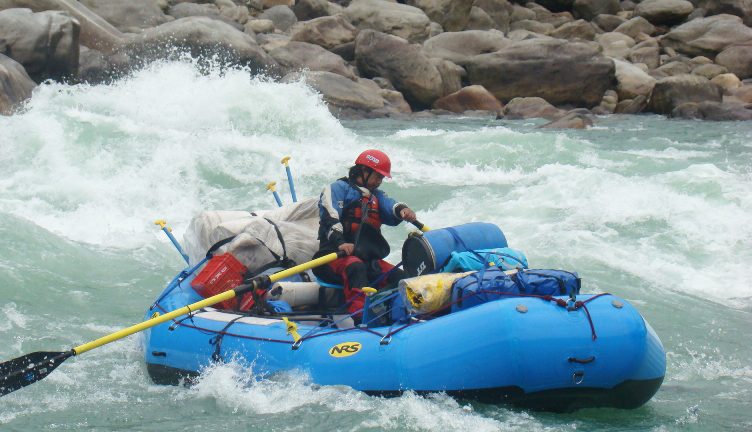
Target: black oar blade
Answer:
pixel 26 370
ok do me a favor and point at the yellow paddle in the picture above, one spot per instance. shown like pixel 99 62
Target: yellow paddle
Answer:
pixel 23 371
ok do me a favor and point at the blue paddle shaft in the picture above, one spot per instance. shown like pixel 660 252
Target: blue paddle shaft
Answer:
pixel 175 242
pixel 292 187
pixel 276 197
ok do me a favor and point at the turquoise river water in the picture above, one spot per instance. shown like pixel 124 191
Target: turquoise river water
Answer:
pixel 656 211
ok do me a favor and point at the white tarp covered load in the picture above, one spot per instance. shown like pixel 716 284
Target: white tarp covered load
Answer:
pixel 255 234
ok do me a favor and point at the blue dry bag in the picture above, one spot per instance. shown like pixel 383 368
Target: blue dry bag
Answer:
pixel 483 286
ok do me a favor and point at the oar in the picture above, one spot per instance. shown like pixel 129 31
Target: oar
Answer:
pixel 163 223
pixel 270 187
pixel 23 371
pixel 420 226
pixel 289 178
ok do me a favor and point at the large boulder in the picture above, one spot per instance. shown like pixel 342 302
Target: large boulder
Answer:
pixel 533 26
pixel 740 8
pixel 346 98
pixel 480 20
pixel 708 36
pixel 558 71
pixel 647 52
pixel 631 81
pixel 396 19
pixel 670 69
pixel 671 92
pixel 459 47
pixel 579 29
pixel 608 23
pixel 309 9
pixel 574 120
pixel 715 111
pixel 412 73
pixel 452 75
pixel 472 98
pixel 96 33
pixel 95 67
pixel 302 55
pixel 664 12
pixel 531 107
pixel 737 59
pixel 201 37
pixel 45 43
pixel 185 10
pixel 282 16
pixel 128 16
pixel 500 11
pixel 15 85
pixel 636 26
pixel 453 15
pixel 589 9
pixel 328 31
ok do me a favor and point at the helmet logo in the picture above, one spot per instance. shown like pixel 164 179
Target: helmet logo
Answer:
pixel 372 158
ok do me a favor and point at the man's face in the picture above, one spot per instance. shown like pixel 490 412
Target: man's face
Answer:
pixel 373 181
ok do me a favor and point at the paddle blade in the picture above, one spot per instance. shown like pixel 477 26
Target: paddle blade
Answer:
pixel 26 370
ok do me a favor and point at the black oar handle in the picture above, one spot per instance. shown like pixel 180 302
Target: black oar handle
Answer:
pixel 419 225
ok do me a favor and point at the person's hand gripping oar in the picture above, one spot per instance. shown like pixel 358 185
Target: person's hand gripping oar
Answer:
pixel 23 371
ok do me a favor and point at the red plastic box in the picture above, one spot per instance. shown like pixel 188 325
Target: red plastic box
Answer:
pixel 222 272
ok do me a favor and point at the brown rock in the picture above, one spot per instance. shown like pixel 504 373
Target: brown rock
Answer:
pixel 301 55
pixel 202 37
pixel 459 47
pixel 452 15
pixel 670 69
pixel 608 23
pixel 570 121
pixel 45 43
pixel 709 71
pixel 96 33
pixel 664 11
pixel 15 85
pixel 531 107
pixel 589 9
pixel 412 73
pixel 635 26
pixel 328 31
pixel 579 29
pixel 468 99
pixel 671 92
pixel 632 106
pixel 480 20
pixel 452 75
pixel 737 59
pixel 714 111
pixel 708 36
pixel 558 71
pixel 500 12
pixel 396 19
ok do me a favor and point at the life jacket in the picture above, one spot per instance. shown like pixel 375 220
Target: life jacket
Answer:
pixel 354 214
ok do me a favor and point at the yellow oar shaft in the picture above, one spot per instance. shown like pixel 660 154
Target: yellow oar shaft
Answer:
pixel 154 321
pixel 303 267
pixel 198 305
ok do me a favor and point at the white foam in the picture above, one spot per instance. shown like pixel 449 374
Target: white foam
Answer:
pixel 237 390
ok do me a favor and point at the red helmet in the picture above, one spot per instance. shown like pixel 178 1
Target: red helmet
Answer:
pixel 376 159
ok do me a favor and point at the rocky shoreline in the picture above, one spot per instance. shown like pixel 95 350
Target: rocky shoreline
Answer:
pixel 562 60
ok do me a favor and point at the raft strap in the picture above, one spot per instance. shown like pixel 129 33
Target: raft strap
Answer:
pixel 217 340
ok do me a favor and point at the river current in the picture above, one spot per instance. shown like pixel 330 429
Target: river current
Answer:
pixel 656 211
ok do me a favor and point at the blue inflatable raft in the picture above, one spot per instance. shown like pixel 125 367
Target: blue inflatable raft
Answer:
pixel 539 352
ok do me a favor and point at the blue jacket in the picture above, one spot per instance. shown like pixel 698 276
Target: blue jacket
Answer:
pixel 342 195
